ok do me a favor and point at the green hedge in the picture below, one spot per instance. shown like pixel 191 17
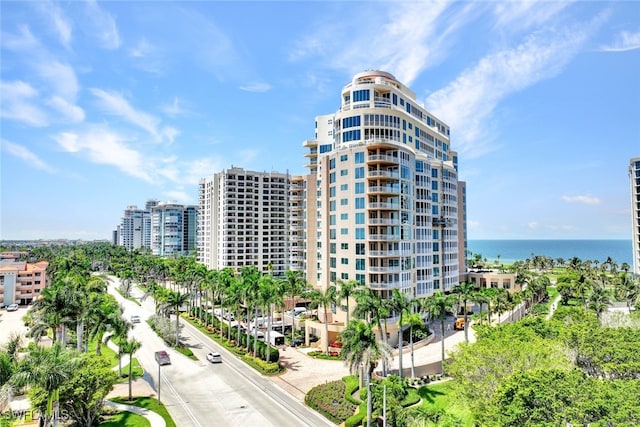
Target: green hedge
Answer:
pixel 260 365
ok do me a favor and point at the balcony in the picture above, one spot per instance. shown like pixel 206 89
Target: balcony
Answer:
pixel 386 189
pixel 383 221
pixel 391 253
pixel 382 158
pixel 386 269
pixel 382 174
pixel 383 205
pixel 384 237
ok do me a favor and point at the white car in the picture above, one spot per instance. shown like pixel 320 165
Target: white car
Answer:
pixel 135 319
pixel 214 357
pixel 12 307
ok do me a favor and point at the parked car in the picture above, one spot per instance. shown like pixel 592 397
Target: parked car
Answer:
pixel 135 319
pixel 214 357
pixel 297 341
pixel 12 307
pixel 229 316
pixel 162 357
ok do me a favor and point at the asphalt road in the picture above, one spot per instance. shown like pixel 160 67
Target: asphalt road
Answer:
pixel 201 394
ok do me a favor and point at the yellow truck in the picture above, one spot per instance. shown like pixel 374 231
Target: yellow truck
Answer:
pixel 459 325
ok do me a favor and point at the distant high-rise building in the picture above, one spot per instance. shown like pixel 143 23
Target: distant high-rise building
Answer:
pixel 173 229
pixel 244 220
pixel 634 179
pixel 135 226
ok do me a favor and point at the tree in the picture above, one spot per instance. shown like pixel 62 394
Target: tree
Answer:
pixel 48 369
pixel 413 319
pixel 599 300
pixel 129 347
pixel 401 305
pixel 361 351
pixel 325 299
pixel 295 285
pixel 82 395
pixel 465 292
pixel 345 291
pixel 175 300
pixel 438 304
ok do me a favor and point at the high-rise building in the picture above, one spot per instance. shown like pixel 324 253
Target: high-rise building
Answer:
pixel 383 203
pixel 135 228
pixel 173 229
pixel 245 220
pixel 634 179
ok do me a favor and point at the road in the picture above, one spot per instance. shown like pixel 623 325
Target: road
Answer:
pixel 199 394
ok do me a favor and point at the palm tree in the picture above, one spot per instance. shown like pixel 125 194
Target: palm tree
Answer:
pixel 438 304
pixel 47 368
pixel 325 299
pixel 465 292
pixel 294 285
pixel 599 300
pixel 413 319
pixel 268 295
pixel 401 305
pixel 176 300
pixel 129 347
pixel 361 352
pixel 345 291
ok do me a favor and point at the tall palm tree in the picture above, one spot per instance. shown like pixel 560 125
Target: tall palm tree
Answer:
pixel 438 304
pixel 465 292
pixel 599 300
pixel 413 319
pixel 176 300
pixel 402 306
pixel 325 299
pixel 268 295
pixel 361 353
pixel 345 291
pixel 295 285
pixel 129 347
pixel 47 368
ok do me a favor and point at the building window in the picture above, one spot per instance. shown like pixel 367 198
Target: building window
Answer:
pixel 332 205
pixel 360 218
pixel 344 276
pixel 360 264
pixel 332 219
pixel 344 172
pixel 359 202
pixel 360 157
pixel 359 233
pixel 344 231
pixel 344 202
pixel 359 248
pixel 332 233
pixel 361 95
pixel 360 278
pixel 360 172
pixel 332 177
pixel 344 158
pixel 344 261
pixel 332 248
pixel 332 262
pixel 344 246
pixel 344 187
pixel 344 216
pixel 359 187
pixel 332 191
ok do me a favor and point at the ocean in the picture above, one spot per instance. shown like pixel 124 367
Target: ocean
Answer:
pixel 594 250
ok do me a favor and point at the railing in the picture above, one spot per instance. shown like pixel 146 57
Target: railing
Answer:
pixel 387 269
pixel 384 237
pixel 383 205
pixel 383 221
pixel 383 189
pixel 386 174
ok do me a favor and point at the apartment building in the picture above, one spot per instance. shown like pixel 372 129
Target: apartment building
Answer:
pixel 21 282
pixel 634 180
pixel 245 219
pixel 173 229
pixel 134 230
pixel 384 205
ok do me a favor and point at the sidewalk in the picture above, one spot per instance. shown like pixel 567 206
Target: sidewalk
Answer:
pixel 155 420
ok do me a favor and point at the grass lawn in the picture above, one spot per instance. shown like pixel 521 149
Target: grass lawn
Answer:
pixel 125 419
pixel 149 403
pixel 441 396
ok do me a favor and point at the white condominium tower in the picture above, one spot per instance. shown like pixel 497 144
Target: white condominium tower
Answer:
pixel 244 220
pixel 173 229
pixel 634 178
pixel 382 197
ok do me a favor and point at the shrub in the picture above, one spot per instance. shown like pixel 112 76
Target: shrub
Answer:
pixel 328 399
pixel 266 368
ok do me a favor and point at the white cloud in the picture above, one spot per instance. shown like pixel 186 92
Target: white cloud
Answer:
pixel 61 24
pixel 24 41
pixel 103 26
pixel 523 14
pixel 170 133
pixel 469 101
pixel 142 49
pixel 70 112
pixel 532 225
pixel 585 200
pixel 18 104
pixel 256 87
pixel 105 147
pixel 200 168
pixel 115 103
pixel 175 108
pixel 61 78
pixel 25 154
pixel 624 41
pixel 179 196
pixel 403 38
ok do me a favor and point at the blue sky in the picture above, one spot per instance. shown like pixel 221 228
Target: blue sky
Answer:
pixel 107 104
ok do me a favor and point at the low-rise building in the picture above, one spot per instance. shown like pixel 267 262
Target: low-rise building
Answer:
pixel 21 282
